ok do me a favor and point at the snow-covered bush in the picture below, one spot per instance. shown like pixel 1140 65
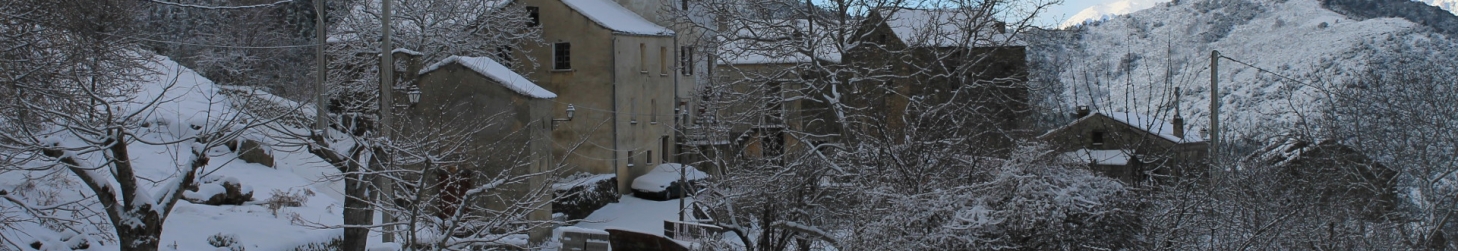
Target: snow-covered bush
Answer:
pixel 225 242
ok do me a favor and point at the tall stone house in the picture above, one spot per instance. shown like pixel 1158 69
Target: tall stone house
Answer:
pixel 1131 147
pixel 694 47
pixel 942 56
pixel 617 72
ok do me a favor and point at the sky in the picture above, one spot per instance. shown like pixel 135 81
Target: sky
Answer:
pixel 1059 13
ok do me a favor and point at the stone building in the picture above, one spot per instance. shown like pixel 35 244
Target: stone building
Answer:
pixel 499 119
pixel 1128 146
pixel 762 75
pixel 942 56
pixel 1330 174
pixel 618 72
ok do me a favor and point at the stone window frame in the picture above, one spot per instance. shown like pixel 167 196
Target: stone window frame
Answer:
pixel 562 56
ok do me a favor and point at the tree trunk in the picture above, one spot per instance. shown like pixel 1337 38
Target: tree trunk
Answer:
pixel 357 213
pixel 143 235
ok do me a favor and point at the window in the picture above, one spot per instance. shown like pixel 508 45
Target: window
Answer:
pixel 648 158
pixel 664 147
pixel 642 58
pixel 503 54
pixel 1097 138
pixel 684 4
pixel 632 111
pixel 686 60
pixel 663 60
pixel 562 56
pixel 653 117
pixel 630 158
pixel 535 14
pixel 881 39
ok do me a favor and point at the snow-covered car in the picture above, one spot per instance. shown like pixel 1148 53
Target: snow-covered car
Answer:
pixel 663 182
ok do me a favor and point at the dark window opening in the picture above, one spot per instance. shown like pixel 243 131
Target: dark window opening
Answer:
pixel 686 58
pixel 535 14
pixel 630 158
pixel 881 39
pixel 562 56
pixel 1097 138
pixel 664 146
pixel 503 54
pixel 684 4
pixel 648 158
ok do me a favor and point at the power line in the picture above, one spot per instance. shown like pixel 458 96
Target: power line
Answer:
pixel 1264 70
pixel 220 7
pixel 223 46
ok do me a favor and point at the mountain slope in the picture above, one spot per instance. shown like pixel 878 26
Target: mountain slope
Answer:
pixel 1134 63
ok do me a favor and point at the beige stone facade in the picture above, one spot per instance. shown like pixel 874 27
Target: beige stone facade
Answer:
pixel 621 82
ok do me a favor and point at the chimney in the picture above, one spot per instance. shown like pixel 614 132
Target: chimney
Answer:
pixel 1082 112
pixel 1179 126
pixel 412 64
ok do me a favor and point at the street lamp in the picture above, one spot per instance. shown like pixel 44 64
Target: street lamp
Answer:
pixel 414 94
pixel 571 111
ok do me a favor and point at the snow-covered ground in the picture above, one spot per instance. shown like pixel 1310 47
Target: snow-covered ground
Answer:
pixel 190 99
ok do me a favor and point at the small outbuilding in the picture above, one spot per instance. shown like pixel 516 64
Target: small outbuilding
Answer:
pixel 1129 146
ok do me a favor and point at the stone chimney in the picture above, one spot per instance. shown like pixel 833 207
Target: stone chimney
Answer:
pixel 1083 111
pixel 1179 126
pixel 411 60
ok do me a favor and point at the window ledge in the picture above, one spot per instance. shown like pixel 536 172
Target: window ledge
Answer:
pixel 564 70
pixel 663 74
pixel 643 72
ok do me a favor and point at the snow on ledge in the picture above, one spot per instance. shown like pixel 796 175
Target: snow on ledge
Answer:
pixel 491 69
pixel 664 175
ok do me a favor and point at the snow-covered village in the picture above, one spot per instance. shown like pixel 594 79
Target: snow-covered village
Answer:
pixel 740 125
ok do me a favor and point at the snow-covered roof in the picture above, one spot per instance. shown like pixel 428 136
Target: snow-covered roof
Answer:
pixel 1142 122
pixel 1153 126
pixel 617 18
pixel 777 42
pixel 945 28
pixel 407 52
pixel 1098 157
pixel 491 69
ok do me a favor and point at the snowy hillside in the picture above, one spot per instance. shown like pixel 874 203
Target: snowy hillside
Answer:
pixel 1121 64
pixel 188 102
pixel 1115 8
pixel 1448 5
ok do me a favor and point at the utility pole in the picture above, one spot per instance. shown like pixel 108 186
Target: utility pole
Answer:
pixel 321 118
pixel 387 85
pixel 1214 108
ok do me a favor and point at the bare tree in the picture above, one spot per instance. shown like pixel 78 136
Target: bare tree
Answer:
pixel 434 29
pixel 1401 113
pixel 84 99
pixel 836 143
